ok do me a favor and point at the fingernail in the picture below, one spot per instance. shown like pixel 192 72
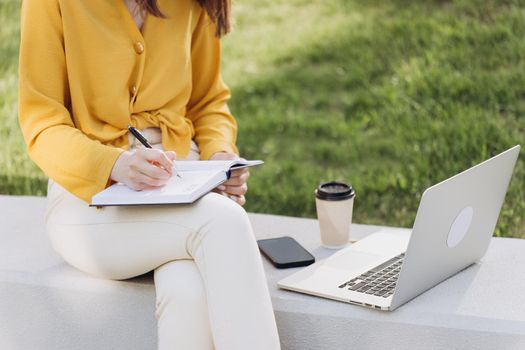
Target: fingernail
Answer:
pixel 221 188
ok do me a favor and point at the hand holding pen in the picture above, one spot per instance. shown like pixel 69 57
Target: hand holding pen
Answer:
pixel 145 143
pixel 136 169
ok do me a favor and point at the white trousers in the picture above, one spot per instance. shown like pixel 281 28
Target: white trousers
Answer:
pixel 211 291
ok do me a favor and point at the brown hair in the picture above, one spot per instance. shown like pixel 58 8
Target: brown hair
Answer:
pixel 218 10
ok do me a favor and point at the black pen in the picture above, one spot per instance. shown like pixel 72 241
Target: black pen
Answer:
pixel 139 136
pixel 143 140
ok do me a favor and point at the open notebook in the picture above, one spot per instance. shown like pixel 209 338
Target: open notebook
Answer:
pixel 197 179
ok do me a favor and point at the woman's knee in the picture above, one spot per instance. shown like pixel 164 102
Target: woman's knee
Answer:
pixel 222 210
pixel 226 220
pixel 217 205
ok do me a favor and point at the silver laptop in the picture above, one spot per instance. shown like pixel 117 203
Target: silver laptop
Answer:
pixel 452 229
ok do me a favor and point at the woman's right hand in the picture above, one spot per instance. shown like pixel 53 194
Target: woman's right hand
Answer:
pixel 144 168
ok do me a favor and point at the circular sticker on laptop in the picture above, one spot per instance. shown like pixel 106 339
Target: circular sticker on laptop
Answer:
pixel 460 227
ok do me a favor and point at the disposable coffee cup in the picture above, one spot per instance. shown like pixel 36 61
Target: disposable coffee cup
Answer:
pixel 334 202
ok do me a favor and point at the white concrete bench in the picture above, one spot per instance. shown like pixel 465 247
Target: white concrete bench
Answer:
pixel 46 304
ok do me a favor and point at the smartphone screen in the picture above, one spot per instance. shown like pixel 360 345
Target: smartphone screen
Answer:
pixel 285 252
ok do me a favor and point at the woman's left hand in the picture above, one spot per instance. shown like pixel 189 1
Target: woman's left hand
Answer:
pixel 236 187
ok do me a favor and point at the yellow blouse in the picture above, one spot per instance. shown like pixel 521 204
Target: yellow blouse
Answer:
pixel 86 72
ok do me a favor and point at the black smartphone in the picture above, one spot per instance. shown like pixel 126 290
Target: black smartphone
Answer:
pixel 285 252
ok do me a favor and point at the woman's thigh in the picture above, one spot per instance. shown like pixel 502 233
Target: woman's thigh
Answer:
pixel 122 242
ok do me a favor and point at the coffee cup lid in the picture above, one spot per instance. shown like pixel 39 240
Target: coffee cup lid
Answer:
pixel 334 191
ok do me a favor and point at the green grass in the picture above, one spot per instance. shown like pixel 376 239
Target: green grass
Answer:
pixel 18 175
pixel 392 96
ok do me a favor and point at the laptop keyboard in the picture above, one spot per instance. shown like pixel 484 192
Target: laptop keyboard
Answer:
pixel 379 281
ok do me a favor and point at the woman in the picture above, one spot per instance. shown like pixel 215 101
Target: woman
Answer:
pixel 88 69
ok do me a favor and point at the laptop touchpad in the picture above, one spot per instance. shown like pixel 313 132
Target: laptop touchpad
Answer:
pixel 352 260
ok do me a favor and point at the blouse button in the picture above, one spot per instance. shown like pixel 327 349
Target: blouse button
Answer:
pixel 139 47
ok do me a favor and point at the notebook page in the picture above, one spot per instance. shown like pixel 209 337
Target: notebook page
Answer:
pixel 176 190
pixel 195 165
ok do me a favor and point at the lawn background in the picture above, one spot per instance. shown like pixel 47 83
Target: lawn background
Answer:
pixel 392 96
